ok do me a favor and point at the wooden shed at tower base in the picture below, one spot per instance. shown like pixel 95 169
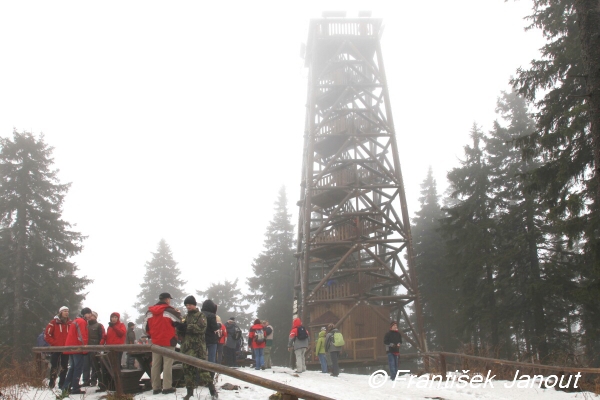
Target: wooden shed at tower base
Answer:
pixel 363 329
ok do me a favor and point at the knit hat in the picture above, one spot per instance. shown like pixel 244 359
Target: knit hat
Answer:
pixel 130 324
pixel 164 296
pixel 232 318
pixel 63 308
pixel 190 300
pixel 86 310
pixel 95 314
pixel 323 328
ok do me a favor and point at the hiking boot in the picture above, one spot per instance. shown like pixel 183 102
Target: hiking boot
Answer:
pixel 190 393
pixel 170 390
pixel 158 391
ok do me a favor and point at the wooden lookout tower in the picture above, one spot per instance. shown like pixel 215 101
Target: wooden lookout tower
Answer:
pixel 355 260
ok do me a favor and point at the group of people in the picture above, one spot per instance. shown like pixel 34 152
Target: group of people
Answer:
pixel 201 335
pixel 329 346
pixel 327 349
pixel 69 367
pixel 198 333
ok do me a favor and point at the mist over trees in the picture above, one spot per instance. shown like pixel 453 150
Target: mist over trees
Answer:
pixel 272 286
pixel 508 259
pixel 520 233
pixel 36 276
pixel 162 275
pixel 230 302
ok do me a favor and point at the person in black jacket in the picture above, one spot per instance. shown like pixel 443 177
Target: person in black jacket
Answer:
pixel 392 341
pixel 209 309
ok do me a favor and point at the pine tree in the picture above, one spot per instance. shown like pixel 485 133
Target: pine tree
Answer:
pixel 36 276
pixel 430 262
pixel 230 302
pixel 162 275
pixel 272 285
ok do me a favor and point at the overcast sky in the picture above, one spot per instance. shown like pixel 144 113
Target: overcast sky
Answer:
pixel 181 120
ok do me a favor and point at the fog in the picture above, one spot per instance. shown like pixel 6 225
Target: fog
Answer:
pixel 182 120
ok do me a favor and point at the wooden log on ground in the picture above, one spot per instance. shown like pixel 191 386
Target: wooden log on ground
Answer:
pixel 205 365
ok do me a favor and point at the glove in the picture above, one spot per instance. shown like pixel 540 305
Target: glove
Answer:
pixel 179 325
pixel 111 324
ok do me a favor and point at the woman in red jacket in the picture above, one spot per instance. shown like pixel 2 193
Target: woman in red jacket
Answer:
pixel 116 334
pixel 222 338
pixel 258 339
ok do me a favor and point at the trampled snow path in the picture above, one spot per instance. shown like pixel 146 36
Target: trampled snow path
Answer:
pixel 344 387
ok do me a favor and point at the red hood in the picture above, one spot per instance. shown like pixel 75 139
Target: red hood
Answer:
pixel 118 316
pixel 296 323
pixel 158 309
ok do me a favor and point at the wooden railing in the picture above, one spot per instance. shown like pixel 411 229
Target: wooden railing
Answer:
pixel 336 28
pixel 351 343
pixel 349 124
pixel 349 346
pixel 193 361
pixel 349 231
pixel 335 291
pixel 345 75
pixel 345 289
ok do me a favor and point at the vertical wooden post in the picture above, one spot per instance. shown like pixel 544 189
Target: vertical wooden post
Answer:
pixel 115 365
pixel 374 348
pixel 443 368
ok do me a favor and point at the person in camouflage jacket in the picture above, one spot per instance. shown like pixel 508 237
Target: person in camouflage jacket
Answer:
pixel 193 343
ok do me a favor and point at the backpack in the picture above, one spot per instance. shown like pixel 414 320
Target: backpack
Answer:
pixel 237 334
pixel 302 334
pixel 259 336
pixel 338 339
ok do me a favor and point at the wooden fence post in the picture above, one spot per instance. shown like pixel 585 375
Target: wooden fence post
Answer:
pixel 443 368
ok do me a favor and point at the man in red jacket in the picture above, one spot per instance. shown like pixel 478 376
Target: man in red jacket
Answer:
pixel 158 324
pixel 78 336
pixel 56 335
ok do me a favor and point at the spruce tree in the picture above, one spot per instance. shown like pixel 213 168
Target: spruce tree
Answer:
pixel 230 302
pixel 36 276
pixel 162 275
pixel 272 285
pixel 568 138
pixel 469 229
pixel 430 262
pixel 521 225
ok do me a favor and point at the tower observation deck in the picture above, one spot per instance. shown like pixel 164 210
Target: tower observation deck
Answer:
pixel 355 260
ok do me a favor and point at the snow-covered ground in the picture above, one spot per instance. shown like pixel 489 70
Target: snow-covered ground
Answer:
pixel 346 387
